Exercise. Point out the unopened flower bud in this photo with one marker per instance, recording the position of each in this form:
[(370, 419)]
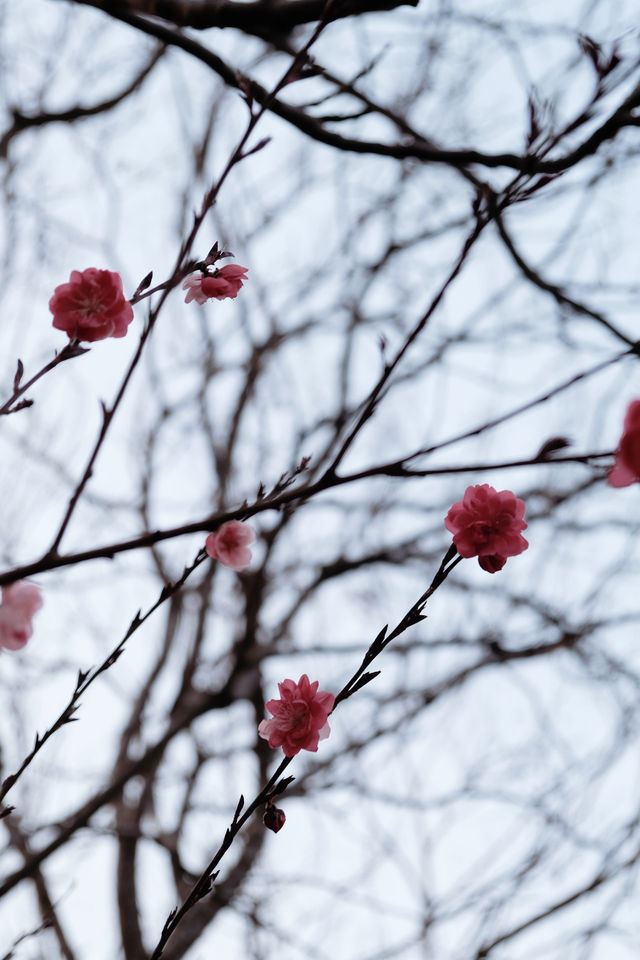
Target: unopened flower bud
[(274, 818), (492, 563)]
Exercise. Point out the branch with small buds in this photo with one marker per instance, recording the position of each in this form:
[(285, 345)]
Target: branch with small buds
[(276, 785), (86, 678), (71, 350)]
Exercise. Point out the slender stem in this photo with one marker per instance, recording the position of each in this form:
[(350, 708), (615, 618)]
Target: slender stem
[(72, 349), (359, 678), (372, 400), (396, 468), (204, 883), (87, 678), (108, 415), (165, 288)]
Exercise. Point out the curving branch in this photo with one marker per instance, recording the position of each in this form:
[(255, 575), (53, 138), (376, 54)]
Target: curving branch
[(529, 163), (281, 498), (46, 905), (556, 291), (260, 18), (23, 121)]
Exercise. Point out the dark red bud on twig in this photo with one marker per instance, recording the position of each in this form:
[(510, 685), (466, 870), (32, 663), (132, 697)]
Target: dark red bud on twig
[(274, 818)]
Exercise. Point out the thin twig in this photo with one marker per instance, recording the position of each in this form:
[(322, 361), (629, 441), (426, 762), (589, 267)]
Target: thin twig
[(275, 785), (86, 678), (71, 350)]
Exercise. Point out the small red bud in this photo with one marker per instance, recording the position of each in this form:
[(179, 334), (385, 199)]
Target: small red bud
[(274, 818), (492, 563)]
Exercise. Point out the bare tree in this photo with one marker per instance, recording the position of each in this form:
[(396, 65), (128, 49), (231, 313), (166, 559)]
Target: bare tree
[(436, 205)]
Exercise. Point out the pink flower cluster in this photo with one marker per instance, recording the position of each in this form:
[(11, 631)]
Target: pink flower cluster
[(300, 716), (626, 469), (224, 284), (229, 544), (92, 306), (486, 524), (20, 602)]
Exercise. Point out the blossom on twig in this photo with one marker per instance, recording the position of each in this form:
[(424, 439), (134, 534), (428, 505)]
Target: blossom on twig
[(224, 284), (299, 717), (228, 544), (20, 601), (274, 818), (92, 306), (486, 524)]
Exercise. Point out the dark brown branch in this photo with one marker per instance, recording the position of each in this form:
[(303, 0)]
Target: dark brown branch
[(562, 298), (358, 679), (11, 955), (181, 267), (394, 469), (223, 894), (203, 885), (202, 703), (371, 401), (46, 906), (87, 678), (128, 818), (198, 705), (598, 880), (72, 349), (529, 164), (23, 121), (127, 826), (260, 18), (326, 482)]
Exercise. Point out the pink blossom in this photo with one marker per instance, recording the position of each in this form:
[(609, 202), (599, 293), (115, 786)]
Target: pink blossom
[(224, 284), (299, 716), (486, 524), (228, 544), (91, 306), (20, 601), (626, 469)]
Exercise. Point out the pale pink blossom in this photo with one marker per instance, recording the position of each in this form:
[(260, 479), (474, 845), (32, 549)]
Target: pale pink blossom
[(224, 284), (228, 544), (20, 601), (626, 469), (486, 524), (92, 306), (299, 717)]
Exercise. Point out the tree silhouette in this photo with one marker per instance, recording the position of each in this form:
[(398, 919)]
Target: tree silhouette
[(436, 207)]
